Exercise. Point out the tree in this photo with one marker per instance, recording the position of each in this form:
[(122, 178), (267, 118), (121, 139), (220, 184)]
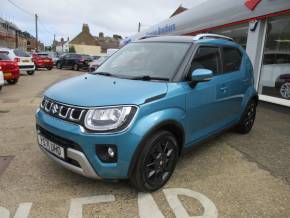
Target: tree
[(72, 49)]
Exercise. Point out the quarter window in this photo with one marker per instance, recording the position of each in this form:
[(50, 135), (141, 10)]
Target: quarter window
[(232, 59), (206, 58)]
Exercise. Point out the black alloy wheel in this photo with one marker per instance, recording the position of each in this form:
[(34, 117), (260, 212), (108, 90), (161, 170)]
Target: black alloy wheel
[(157, 162), (248, 118), (12, 81), (30, 73), (58, 65)]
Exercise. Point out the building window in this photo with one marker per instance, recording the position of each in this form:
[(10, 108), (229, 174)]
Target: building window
[(275, 71), (238, 32)]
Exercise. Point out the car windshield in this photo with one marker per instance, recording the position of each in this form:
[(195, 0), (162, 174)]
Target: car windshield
[(150, 59), (21, 53)]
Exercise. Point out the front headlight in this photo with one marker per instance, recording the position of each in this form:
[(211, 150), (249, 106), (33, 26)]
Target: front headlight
[(111, 118)]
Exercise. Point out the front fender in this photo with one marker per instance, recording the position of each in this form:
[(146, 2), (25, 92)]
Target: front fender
[(150, 123)]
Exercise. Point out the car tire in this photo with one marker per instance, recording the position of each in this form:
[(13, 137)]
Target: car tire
[(285, 90), (76, 67), (248, 118), (0, 88), (58, 65), (156, 162), (49, 68), (12, 81), (30, 72)]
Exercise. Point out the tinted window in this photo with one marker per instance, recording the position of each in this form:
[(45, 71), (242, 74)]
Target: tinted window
[(21, 53), (4, 57), (232, 59), (206, 58)]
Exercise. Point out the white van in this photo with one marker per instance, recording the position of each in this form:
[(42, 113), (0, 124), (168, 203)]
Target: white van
[(23, 59)]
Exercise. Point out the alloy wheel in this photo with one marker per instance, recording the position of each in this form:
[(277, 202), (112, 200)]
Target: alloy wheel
[(285, 90), (160, 162), (250, 116)]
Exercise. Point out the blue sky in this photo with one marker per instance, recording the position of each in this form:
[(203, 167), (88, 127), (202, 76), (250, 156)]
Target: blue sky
[(64, 18)]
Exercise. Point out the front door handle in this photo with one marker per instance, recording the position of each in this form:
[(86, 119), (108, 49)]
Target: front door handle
[(224, 89)]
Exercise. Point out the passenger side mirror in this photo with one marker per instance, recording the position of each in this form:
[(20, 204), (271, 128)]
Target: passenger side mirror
[(201, 75)]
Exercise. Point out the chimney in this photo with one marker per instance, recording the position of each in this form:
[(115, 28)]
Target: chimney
[(101, 35), (86, 28)]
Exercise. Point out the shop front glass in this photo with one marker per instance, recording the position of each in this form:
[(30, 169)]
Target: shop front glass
[(275, 71), (238, 32)]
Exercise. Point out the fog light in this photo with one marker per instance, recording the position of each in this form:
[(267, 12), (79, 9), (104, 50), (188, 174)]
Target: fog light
[(111, 152), (107, 153)]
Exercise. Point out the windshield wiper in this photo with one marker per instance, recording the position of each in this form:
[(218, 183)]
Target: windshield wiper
[(101, 73), (148, 78)]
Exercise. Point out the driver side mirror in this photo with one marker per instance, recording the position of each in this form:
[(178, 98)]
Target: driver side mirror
[(201, 75)]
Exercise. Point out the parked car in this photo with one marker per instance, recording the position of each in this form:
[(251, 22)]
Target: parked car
[(96, 63), (144, 106), (53, 55), (23, 59), (10, 69), (283, 85), (1, 79), (276, 63), (42, 61), (73, 61)]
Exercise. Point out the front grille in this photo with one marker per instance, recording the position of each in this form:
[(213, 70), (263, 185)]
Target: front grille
[(65, 143), (62, 111)]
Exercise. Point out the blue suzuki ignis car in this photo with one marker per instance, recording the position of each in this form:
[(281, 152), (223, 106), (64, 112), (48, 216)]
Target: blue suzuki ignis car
[(145, 105)]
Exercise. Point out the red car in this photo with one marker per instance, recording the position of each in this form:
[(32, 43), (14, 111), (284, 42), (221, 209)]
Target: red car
[(42, 61), (10, 69)]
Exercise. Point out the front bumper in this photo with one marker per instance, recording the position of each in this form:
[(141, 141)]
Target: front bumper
[(89, 164), (85, 168)]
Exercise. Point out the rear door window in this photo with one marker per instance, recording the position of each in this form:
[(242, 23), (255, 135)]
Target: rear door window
[(232, 59)]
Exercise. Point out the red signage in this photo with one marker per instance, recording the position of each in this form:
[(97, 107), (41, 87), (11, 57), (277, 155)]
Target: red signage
[(252, 4)]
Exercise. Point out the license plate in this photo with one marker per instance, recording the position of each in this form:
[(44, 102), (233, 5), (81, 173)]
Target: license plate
[(25, 61), (46, 60), (51, 146), (7, 74)]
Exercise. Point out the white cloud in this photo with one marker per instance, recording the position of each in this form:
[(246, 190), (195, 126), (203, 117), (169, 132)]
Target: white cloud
[(65, 17)]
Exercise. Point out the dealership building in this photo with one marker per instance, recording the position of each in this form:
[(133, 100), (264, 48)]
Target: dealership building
[(262, 27)]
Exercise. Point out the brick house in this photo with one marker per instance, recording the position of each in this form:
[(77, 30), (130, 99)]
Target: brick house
[(86, 43)]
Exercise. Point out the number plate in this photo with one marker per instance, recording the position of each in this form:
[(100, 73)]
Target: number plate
[(7, 74), (51, 146)]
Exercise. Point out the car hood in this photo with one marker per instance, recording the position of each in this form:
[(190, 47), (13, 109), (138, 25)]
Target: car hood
[(95, 90)]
